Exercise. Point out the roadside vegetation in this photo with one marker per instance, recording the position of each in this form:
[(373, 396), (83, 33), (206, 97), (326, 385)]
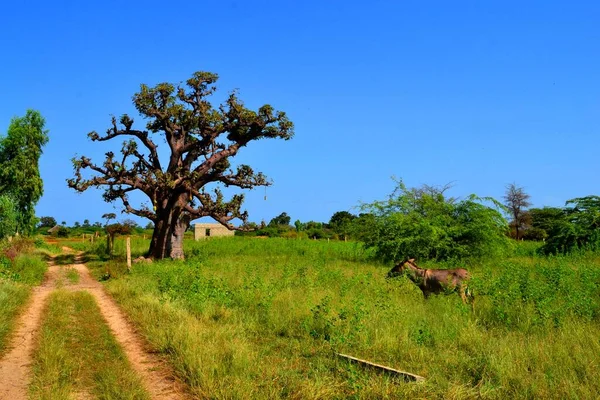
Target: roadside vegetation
[(244, 316), (78, 356), (19, 270)]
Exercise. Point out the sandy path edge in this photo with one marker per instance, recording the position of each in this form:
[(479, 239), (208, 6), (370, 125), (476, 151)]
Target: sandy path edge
[(15, 365), (156, 376)]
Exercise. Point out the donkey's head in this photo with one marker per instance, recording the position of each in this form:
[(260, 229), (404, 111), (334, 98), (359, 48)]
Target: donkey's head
[(402, 267)]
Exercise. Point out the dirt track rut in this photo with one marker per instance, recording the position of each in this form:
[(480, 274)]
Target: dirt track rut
[(15, 366)]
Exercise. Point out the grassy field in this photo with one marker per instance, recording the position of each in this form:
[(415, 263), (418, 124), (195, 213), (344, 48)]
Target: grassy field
[(245, 317), (77, 355)]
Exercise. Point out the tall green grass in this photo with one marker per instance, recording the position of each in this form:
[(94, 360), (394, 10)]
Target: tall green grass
[(12, 297), (28, 269), (263, 318), (19, 270)]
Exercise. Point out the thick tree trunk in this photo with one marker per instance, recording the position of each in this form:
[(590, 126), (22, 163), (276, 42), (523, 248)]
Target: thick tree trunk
[(160, 236), (175, 245), (158, 244), (169, 228)]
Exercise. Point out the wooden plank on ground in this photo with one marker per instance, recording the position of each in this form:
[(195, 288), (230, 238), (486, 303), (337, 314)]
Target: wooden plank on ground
[(406, 375)]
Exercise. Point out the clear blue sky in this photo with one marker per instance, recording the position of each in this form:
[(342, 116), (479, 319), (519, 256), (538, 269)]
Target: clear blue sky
[(469, 92)]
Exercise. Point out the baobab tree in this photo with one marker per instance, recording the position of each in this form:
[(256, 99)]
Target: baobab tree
[(201, 140)]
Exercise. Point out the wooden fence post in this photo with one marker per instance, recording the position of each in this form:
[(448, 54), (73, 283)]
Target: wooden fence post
[(128, 254)]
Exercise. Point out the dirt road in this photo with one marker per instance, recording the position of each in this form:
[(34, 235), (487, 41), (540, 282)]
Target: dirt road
[(15, 366)]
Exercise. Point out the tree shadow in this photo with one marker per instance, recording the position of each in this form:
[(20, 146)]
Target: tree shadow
[(64, 259)]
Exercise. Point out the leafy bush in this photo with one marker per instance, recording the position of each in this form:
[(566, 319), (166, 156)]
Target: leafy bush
[(578, 229), (423, 223)]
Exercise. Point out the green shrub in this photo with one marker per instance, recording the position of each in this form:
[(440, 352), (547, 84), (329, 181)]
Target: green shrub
[(424, 223)]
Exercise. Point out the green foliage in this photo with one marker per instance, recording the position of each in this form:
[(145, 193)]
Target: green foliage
[(316, 230), (341, 223), (8, 216), (543, 222), (363, 227), (423, 223), (578, 228), (20, 152), (282, 219), (47, 222)]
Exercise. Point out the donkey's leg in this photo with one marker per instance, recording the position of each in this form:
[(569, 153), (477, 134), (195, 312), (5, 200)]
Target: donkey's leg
[(463, 294)]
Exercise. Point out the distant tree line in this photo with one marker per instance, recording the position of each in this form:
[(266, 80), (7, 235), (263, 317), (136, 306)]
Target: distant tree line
[(338, 228), (424, 222), (49, 226)]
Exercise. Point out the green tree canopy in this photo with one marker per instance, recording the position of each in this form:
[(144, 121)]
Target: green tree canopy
[(281, 219), (579, 227), (544, 221), (47, 222), (424, 223), (341, 223), (20, 151), (8, 216)]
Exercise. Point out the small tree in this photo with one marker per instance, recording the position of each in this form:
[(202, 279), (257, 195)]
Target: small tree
[(517, 202), (20, 152), (47, 222), (341, 223), (130, 223), (108, 217), (201, 141), (281, 220), (112, 231)]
